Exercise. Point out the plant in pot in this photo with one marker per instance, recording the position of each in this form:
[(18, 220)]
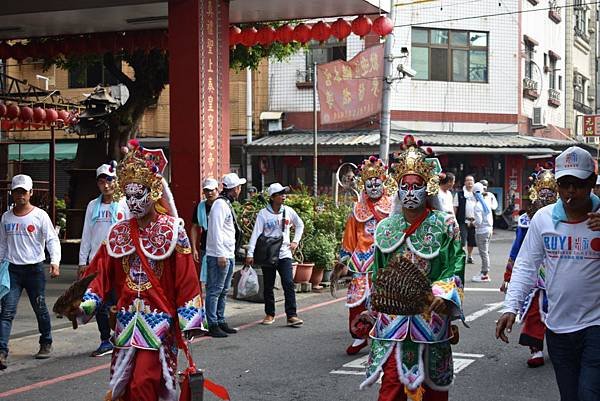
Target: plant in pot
[(320, 248), (304, 204)]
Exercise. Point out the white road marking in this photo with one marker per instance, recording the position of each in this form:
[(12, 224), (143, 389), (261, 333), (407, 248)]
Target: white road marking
[(359, 363), (460, 364), (488, 309), (463, 355), (348, 372)]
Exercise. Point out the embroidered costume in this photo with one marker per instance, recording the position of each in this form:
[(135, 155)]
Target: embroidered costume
[(414, 350), (144, 362), (357, 251), (533, 314)]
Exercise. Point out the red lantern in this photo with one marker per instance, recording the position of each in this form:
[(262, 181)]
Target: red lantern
[(265, 35), (302, 33), (51, 116), (321, 31), (234, 35), (12, 111), (248, 37), (26, 114), (2, 110), (383, 26), (63, 116), (341, 29), (39, 114), (18, 52), (6, 125), (361, 26), (284, 34)]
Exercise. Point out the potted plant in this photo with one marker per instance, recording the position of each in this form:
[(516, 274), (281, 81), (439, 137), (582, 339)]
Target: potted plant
[(320, 248), (304, 204)]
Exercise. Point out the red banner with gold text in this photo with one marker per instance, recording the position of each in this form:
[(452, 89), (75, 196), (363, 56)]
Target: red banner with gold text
[(351, 90)]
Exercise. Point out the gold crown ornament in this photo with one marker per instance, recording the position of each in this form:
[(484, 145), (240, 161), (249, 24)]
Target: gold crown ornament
[(414, 160), (375, 168), (142, 166), (542, 179)]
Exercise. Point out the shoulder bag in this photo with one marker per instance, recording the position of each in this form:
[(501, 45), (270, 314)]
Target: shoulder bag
[(266, 251)]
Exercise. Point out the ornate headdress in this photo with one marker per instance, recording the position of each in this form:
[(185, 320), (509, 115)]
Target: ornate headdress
[(542, 179), (414, 160), (375, 168), (141, 166)]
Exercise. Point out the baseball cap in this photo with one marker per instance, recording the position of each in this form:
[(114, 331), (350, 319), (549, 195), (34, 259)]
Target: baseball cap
[(22, 181), (478, 187), (106, 169), (484, 183), (276, 188), (574, 161), (232, 180), (210, 183)]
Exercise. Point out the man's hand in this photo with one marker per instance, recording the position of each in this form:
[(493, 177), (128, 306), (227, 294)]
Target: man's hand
[(594, 221), (293, 246), (54, 271), (438, 306), (506, 321), (81, 270), (504, 287), (195, 255), (222, 262), (249, 261)]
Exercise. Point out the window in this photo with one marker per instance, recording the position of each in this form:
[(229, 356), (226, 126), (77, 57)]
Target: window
[(91, 76), (552, 73), (321, 53), (447, 55), (581, 19), (529, 55), (579, 87)]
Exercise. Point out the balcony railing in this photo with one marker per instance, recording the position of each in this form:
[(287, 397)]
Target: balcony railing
[(304, 78), (554, 11), (553, 97), (530, 88), (582, 107)]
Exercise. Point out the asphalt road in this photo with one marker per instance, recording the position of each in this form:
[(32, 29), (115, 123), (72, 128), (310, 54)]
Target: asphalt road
[(309, 363)]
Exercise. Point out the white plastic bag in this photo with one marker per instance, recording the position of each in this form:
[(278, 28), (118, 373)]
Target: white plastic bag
[(248, 284)]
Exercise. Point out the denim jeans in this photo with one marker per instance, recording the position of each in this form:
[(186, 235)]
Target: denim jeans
[(576, 360), (32, 278), (284, 267), (102, 316), (218, 281)]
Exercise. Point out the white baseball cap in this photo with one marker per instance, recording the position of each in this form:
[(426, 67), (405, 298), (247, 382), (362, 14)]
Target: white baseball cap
[(210, 184), (106, 169), (22, 181), (276, 188), (478, 187), (232, 180), (574, 161)]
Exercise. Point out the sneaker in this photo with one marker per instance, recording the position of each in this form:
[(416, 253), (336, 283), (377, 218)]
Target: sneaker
[(215, 331), (481, 278), (105, 348), (536, 360), (3, 363), (45, 351), (229, 330), (470, 260), (268, 320), (294, 321)]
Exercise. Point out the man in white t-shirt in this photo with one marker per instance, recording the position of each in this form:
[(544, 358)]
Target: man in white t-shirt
[(100, 215), (444, 195), (560, 236), (464, 210), (25, 231)]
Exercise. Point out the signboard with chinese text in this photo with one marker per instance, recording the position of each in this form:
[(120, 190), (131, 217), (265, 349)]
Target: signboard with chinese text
[(591, 125), (351, 90)]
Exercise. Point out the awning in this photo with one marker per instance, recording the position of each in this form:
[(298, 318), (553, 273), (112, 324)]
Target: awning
[(41, 151), (504, 151)]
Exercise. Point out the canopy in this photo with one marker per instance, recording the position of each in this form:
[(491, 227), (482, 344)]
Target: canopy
[(41, 151)]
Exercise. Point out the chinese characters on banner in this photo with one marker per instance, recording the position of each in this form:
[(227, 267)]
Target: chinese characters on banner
[(351, 90), (210, 97), (591, 125)]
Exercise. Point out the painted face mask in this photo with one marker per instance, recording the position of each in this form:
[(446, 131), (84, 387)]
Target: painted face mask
[(138, 199), (546, 197), (374, 188), (412, 192)]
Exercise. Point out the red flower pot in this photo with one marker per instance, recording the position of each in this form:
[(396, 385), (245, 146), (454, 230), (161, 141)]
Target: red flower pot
[(303, 272)]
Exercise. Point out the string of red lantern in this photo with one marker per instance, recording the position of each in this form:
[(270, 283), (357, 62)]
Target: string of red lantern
[(14, 116)]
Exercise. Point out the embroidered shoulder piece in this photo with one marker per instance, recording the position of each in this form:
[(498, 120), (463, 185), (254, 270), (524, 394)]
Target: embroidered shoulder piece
[(523, 221), (158, 239), (425, 242), (362, 212), (183, 243)]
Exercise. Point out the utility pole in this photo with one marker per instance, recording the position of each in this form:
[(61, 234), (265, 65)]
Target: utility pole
[(248, 125), (315, 135), (386, 95)]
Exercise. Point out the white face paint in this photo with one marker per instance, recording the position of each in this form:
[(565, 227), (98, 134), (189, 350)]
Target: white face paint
[(412, 192), (374, 188), (138, 199)]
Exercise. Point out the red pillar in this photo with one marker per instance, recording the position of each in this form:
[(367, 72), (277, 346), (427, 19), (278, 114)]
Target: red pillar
[(199, 96)]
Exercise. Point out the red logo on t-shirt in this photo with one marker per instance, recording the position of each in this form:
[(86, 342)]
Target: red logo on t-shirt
[(595, 244), (30, 228), (119, 216)]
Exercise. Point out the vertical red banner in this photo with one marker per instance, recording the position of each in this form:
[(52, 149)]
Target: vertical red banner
[(351, 90)]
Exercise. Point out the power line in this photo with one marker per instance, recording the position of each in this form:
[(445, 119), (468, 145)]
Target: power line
[(493, 15)]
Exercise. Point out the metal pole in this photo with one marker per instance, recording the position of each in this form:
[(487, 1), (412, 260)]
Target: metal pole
[(316, 157), (386, 95), (52, 175), (248, 125)]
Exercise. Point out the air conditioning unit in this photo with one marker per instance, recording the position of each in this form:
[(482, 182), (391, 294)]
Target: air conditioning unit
[(539, 117), (591, 97)]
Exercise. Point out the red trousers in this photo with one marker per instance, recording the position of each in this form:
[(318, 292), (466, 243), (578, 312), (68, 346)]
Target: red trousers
[(393, 390), (532, 334), (357, 330), (146, 378)]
